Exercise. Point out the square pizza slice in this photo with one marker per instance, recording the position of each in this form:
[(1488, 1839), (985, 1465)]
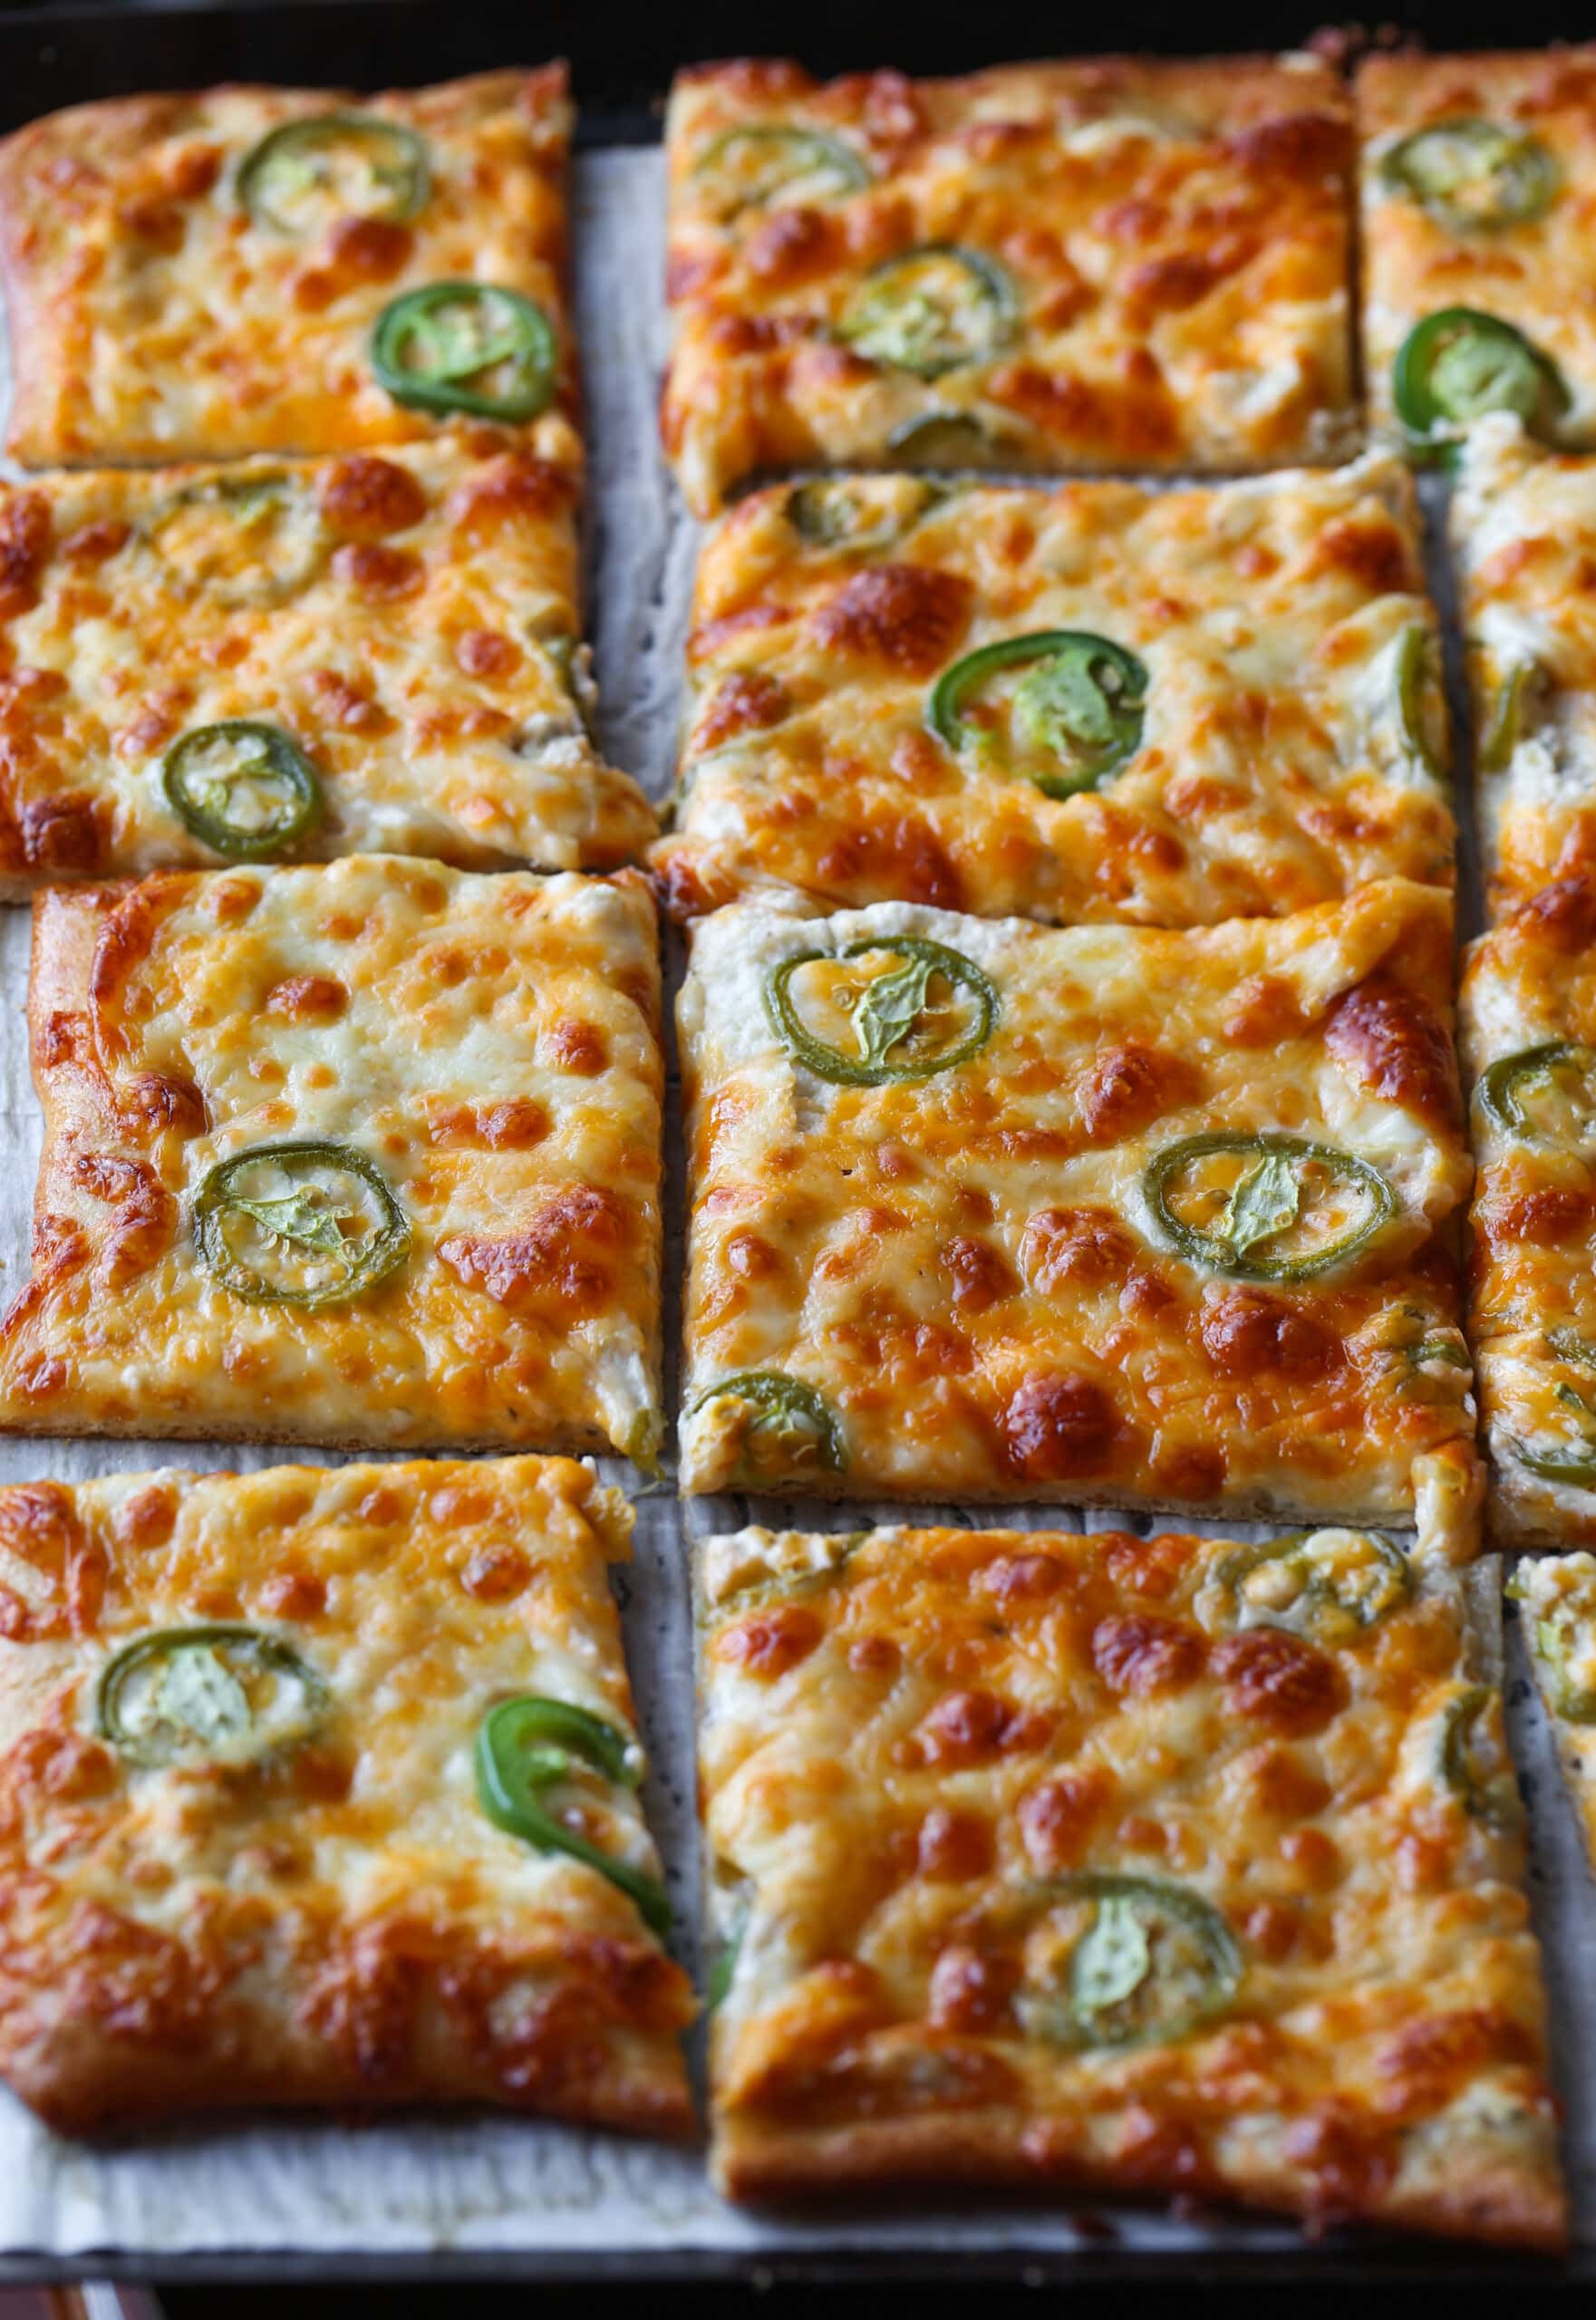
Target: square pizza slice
[(1524, 534), (366, 1155), (275, 659), (1113, 264), (1101, 1216), (1118, 1865), (260, 269), (321, 1787), (1527, 1019), (1557, 1598), (1477, 176), (1095, 701)]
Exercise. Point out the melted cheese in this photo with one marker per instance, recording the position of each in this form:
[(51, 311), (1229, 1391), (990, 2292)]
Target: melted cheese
[(1538, 276), (403, 619), (1274, 769), (342, 1922), (491, 1043), (152, 318), (1532, 982), (967, 1270), (1176, 234), (1558, 1596), (1524, 529), (905, 1735)]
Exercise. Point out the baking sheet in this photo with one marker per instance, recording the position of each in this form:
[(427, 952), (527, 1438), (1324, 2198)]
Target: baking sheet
[(471, 2186)]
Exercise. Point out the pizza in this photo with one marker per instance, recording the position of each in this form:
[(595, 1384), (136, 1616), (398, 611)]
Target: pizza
[(259, 269), (367, 1155), (1524, 535), (279, 659), (1096, 701), (1115, 264), (1108, 1214), (1121, 1865), (1527, 1019), (1477, 175), (1556, 1595), (272, 1828)]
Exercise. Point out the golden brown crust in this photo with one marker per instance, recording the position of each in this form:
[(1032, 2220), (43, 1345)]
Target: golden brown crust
[(966, 1267), (410, 620), (492, 1044), (921, 1753), (334, 1921), (1175, 234), (1275, 767), (149, 322)]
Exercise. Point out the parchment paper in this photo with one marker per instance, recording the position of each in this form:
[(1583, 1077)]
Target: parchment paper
[(477, 2184)]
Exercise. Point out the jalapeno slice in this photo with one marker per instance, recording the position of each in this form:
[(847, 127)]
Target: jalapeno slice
[(945, 438), (1543, 1092), (1569, 1458), (1419, 695), (763, 163), (906, 1028), (1456, 365), (1474, 176), (858, 512), (1062, 707), (308, 173), (307, 1225), (242, 788), (723, 1971), (1562, 1634), (790, 1430), (1331, 1586), (1512, 708), (1291, 1187), (225, 1693), (239, 540), (470, 346), (528, 1746), (1114, 1960), (932, 310), (1474, 1763)]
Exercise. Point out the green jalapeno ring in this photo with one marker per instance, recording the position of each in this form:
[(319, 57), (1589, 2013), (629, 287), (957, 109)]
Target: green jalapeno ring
[(528, 1743), (1509, 715), (1576, 1704), (1417, 656), (945, 438), (290, 151), (248, 499), (1571, 1462), (268, 1653), (888, 321), (776, 1395), (1520, 177), (1498, 1094), (1077, 674), (1067, 2021), (1483, 1799), (524, 342), (819, 510), (1243, 1264), (1460, 363), (366, 1263), (795, 154), (268, 756), (877, 1070), (1327, 1608)]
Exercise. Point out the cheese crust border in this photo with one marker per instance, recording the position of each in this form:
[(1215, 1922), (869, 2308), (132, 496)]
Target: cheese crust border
[(1098, 1706), (1291, 739), (965, 1268), (526, 1313), (1150, 380), (337, 1922), (103, 192)]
